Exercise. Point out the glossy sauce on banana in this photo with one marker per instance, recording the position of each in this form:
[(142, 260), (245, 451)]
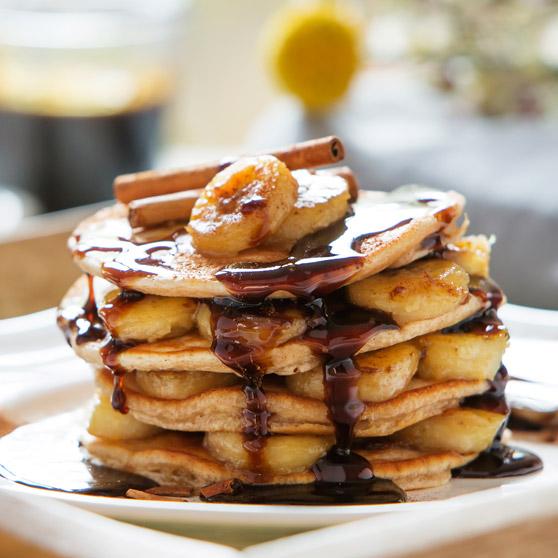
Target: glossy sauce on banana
[(499, 460), (321, 263)]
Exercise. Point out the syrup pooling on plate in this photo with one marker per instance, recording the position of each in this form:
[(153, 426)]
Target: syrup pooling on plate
[(58, 461), (320, 268)]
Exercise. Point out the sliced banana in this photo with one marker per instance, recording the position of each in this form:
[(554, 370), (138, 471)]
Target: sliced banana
[(422, 290), (180, 385), (203, 321), (257, 330), (462, 430), (461, 356), (107, 423), (242, 205), (384, 374), (472, 253), (149, 318), (280, 454), (322, 200)]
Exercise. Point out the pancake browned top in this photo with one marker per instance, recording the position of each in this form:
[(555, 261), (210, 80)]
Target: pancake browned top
[(105, 245)]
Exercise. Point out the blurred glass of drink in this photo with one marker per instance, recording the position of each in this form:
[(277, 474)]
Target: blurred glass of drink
[(83, 86)]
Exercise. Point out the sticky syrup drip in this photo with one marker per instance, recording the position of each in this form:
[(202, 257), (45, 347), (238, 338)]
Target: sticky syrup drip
[(82, 321), (240, 347), (338, 331), (87, 324)]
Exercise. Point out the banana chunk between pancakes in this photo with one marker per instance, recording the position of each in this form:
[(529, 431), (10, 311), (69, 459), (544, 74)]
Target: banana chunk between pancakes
[(242, 205), (472, 253), (180, 385), (149, 318), (384, 374), (463, 430), (422, 290), (280, 454), (271, 330), (322, 200), (466, 356), (105, 422)]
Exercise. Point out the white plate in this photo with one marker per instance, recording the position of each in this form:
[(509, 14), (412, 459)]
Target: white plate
[(61, 393)]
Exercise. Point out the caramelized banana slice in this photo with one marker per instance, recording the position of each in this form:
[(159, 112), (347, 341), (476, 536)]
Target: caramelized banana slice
[(385, 373), (422, 290), (462, 430), (461, 356), (242, 205), (280, 454), (148, 318), (472, 253), (180, 385), (107, 423), (272, 330), (322, 200)]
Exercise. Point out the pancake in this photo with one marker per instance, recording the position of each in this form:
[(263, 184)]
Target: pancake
[(220, 410), (179, 459), (192, 352), (103, 246)]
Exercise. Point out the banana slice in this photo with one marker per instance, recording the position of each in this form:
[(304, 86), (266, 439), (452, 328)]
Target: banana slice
[(272, 330), (107, 423), (149, 318), (322, 200), (280, 454), (385, 373), (461, 356), (180, 385), (462, 430), (472, 253), (422, 290), (242, 205), (203, 321)]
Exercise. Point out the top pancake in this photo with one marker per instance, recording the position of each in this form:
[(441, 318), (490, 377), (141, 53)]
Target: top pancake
[(105, 245)]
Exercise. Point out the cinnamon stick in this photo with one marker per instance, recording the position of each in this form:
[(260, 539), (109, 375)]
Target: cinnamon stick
[(156, 210), (314, 153)]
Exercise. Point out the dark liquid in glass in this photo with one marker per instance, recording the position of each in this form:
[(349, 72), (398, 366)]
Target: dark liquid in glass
[(65, 161)]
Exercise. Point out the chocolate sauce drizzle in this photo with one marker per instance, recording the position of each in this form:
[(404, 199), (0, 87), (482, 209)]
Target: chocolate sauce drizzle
[(83, 321), (244, 355), (336, 331), (88, 324), (132, 259), (321, 263)]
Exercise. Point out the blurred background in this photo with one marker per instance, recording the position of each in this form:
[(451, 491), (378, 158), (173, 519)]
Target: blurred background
[(457, 94)]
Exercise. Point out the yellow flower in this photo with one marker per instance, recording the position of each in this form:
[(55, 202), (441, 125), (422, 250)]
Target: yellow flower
[(314, 51)]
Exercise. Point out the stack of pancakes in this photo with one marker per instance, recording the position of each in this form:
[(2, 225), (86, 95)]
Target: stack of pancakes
[(260, 364)]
